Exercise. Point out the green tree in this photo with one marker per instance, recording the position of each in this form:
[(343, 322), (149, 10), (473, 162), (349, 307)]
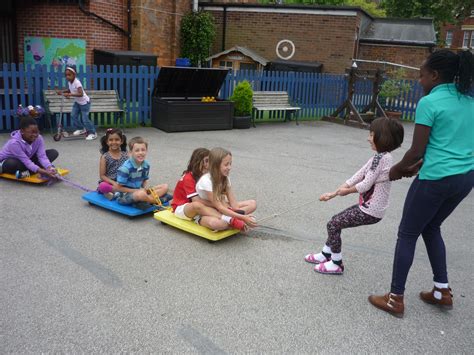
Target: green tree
[(197, 35), (371, 7), (442, 11)]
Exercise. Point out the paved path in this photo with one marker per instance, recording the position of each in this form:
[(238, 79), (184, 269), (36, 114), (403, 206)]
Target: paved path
[(75, 278)]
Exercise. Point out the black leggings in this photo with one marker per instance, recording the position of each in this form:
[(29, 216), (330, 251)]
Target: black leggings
[(12, 165)]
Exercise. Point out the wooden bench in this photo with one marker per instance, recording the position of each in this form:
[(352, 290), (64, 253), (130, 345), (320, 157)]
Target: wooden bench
[(273, 101), (102, 101)]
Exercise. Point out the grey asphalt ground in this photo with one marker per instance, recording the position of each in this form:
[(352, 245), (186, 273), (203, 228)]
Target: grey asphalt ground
[(78, 279)]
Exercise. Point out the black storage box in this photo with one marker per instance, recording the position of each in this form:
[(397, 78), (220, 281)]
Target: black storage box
[(111, 57), (288, 65), (176, 100)]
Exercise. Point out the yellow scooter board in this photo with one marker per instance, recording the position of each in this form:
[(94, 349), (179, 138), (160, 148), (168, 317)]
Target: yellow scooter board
[(33, 179), (168, 217)]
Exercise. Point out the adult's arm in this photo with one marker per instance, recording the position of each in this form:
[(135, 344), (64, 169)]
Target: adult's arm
[(413, 158)]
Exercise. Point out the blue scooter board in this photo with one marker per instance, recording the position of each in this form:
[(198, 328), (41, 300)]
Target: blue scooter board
[(98, 199)]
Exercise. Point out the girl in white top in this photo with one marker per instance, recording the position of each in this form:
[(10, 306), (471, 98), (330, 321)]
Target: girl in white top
[(215, 187), (373, 185), (82, 105)]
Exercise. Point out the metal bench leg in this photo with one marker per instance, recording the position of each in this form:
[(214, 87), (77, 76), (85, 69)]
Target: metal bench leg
[(253, 118)]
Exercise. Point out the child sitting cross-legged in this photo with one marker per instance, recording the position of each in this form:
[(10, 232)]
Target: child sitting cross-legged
[(188, 205), (25, 154), (133, 175)]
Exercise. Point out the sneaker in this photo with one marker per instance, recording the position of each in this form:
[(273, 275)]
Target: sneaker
[(390, 303), (22, 174), (78, 132), (109, 196), (446, 300), (166, 198), (91, 136), (237, 224)]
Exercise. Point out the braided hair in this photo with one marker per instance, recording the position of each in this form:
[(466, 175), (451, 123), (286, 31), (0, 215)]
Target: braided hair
[(452, 67)]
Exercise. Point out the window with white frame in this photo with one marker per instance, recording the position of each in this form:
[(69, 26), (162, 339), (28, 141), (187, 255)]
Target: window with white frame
[(472, 39), (449, 38), (465, 40)]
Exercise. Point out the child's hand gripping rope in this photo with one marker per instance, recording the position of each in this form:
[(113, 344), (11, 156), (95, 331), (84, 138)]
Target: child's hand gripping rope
[(58, 177), (156, 199)]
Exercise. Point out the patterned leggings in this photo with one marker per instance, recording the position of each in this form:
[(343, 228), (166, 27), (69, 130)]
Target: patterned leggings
[(350, 217)]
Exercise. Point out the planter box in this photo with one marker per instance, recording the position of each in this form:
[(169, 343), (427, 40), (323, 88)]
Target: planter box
[(176, 100)]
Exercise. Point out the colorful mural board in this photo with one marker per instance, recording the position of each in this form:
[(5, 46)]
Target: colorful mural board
[(55, 51)]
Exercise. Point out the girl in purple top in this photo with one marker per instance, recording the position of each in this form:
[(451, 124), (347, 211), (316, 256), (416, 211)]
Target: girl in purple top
[(373, 185), (25, 151)]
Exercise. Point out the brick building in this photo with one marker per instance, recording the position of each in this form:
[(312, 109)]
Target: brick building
[(459, 36), (332, 36), (329, 35), (143, 25), (69, 19), (399, 41)]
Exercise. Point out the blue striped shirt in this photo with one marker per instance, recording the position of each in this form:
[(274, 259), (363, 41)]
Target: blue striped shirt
[(132, 175)]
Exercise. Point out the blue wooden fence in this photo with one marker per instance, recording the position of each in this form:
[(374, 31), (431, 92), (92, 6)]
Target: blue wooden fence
[(316, 94)]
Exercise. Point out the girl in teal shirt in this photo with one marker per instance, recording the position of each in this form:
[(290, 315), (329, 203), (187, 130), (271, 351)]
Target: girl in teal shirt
[(443, 145)]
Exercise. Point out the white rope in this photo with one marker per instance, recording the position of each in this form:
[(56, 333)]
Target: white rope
[(286, 211)]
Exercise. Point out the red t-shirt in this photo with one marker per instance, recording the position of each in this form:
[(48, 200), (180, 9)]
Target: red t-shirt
[(184, 191)]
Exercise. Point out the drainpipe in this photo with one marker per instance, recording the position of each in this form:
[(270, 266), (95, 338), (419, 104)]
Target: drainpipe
[(118, 28), (129, 23), (224, 27)]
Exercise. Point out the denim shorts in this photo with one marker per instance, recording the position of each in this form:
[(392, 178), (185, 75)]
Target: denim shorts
[(125, 198)]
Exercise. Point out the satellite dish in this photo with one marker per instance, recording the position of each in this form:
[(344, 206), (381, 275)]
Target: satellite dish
[(285, 49)]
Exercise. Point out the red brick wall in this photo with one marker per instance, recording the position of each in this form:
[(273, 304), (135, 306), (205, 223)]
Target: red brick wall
[(67, 21), (328, 39), (155, 27), (407, 55)]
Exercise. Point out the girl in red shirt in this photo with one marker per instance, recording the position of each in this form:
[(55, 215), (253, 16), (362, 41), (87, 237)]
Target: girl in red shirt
[(188, 205)]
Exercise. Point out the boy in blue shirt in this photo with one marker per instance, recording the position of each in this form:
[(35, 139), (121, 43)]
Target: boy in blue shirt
[(133, 176)]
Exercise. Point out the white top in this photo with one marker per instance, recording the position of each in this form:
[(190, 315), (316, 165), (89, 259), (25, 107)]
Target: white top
[(205, 185), (74, 88), (373, 184)]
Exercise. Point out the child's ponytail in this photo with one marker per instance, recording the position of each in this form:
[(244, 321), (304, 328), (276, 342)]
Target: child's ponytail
[(465, 75)]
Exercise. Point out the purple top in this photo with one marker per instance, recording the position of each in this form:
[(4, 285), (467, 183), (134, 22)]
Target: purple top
[(17, 148)]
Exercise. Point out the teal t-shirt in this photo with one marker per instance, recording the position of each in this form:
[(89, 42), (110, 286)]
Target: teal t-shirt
[(451, 144)]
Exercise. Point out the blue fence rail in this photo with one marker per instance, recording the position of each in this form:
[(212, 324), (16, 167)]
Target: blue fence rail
[(316, 94)]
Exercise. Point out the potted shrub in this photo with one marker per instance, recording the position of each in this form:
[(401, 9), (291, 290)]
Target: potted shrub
[(242, 98), (391, 89)]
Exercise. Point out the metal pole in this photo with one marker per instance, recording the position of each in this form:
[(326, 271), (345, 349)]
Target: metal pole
[(385, 63)]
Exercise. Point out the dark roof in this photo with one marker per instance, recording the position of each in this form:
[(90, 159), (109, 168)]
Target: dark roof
[(400, 31), (285, 6)]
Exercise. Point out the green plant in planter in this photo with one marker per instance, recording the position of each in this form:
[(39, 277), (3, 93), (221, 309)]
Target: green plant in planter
[(393, 87), (242, 98)]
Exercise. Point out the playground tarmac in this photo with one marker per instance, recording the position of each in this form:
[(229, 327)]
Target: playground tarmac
[(78, 279)]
